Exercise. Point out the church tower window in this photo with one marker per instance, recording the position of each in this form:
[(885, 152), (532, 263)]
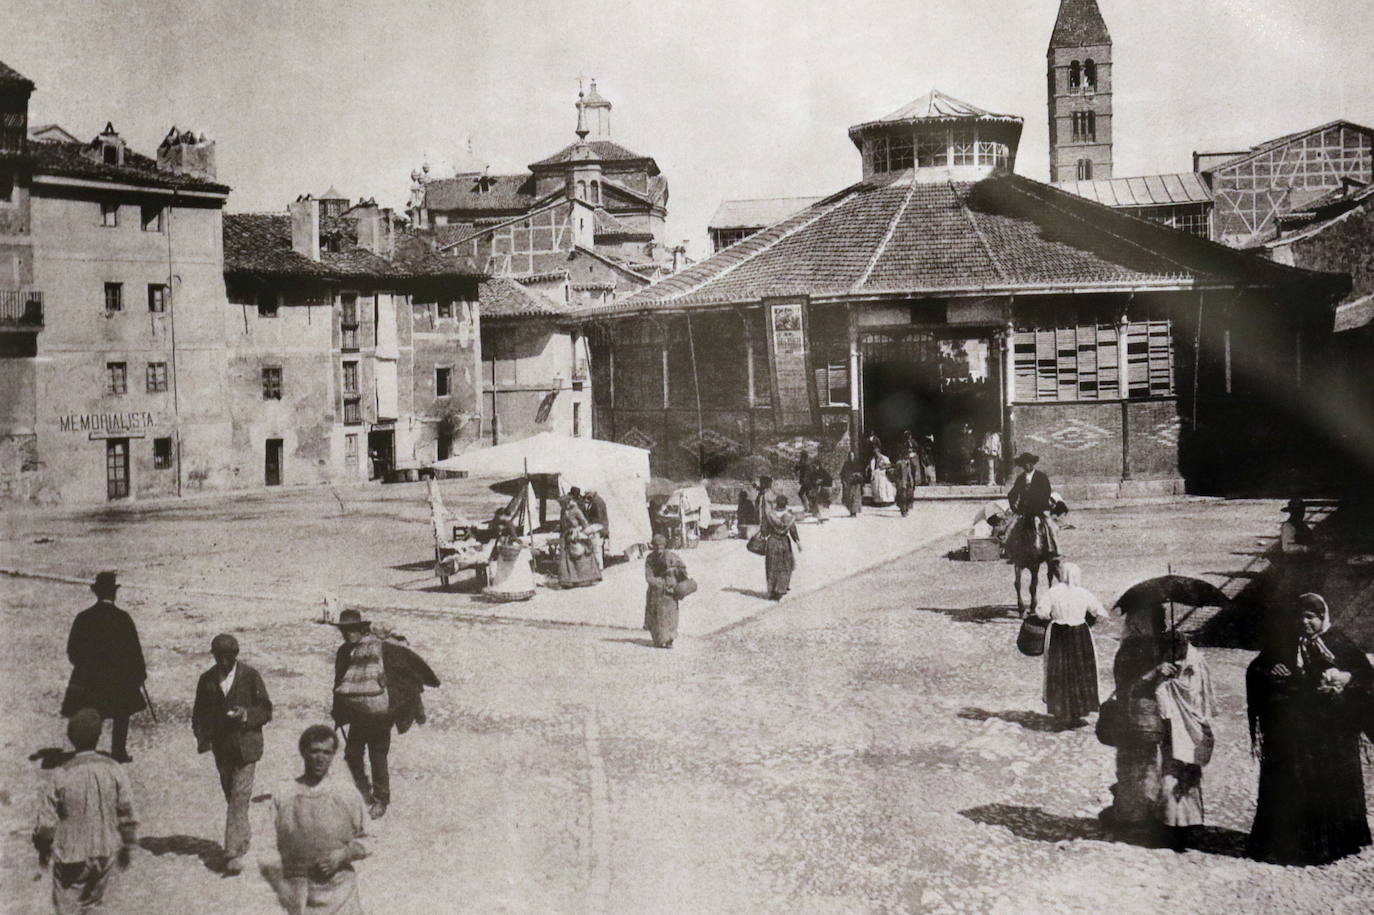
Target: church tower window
[(1089, 76), (1085, 169), (1075, 77)]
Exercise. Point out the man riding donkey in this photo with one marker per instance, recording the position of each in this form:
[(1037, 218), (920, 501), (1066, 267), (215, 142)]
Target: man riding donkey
[(377, 685), (1031, 541)]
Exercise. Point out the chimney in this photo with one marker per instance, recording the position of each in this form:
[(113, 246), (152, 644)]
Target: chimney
[(108, 147), (305, 227), (371, 236), (183, 153)]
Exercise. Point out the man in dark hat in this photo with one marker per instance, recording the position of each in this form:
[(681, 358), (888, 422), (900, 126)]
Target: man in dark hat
[(107, 664), (1031, 539), (85, 824), (230, 709), (377, 685)]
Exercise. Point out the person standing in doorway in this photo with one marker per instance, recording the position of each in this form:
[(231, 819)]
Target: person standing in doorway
[(107, 664), (320, 824), (377, 685), (85, 824), (990, 450), (230, 709)]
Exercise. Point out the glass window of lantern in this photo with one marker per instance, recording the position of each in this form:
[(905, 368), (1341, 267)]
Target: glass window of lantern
[(880, 154), (931, 150), (961, 148), (900, 153), (986, 152)]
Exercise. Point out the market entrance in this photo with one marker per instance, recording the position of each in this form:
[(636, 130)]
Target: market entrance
[(943, 386)]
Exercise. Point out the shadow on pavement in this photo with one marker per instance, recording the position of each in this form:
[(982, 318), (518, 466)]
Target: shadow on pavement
[(991, 613), (1042, 826), (1031, 721), (422, 566), (209, 853), (645, 643), (748, 592)]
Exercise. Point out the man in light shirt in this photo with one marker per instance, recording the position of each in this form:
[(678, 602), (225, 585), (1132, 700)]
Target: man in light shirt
[(85, 822), (231, 707), (320, 821)]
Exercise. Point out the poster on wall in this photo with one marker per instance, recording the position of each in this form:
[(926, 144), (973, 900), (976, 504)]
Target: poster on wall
[(789, 362)]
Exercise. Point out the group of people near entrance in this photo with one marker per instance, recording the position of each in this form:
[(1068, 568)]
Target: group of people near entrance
[(1309, 697), (86, 825)]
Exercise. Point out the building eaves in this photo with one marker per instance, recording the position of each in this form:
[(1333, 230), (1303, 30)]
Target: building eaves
[(13, 78), (70, 160), (502, 297)]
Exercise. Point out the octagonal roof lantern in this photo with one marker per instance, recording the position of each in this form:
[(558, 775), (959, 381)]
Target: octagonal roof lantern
[(939, 137)]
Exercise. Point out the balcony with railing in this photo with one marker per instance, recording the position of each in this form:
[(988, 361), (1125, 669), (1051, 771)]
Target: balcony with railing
[(21, 309)]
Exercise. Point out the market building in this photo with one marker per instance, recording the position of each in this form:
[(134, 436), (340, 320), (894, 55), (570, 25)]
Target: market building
[(945, 294)]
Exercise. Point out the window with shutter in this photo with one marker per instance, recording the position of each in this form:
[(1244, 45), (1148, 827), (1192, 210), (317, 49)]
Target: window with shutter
[(1066, 364)]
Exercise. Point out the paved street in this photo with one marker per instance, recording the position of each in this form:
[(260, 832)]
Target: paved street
[(873, 744)]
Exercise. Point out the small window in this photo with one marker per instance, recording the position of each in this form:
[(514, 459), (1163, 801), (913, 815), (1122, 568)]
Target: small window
[(931, 151), (109, 215), (577, 419), (351, 449), (445, 308), (157, 377), (1075, 76), (114, 297), (116, 378), (157, 297), (899, 153), (6, 186), (350, 377), (1090, 75), (267, 305), (111, 155), (441, 381), (961, 148), (353, 411), (152, 218), (271, 382), (1085, 169), (162, 454)]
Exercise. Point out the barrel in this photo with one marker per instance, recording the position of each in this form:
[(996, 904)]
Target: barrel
[(1030, 641)]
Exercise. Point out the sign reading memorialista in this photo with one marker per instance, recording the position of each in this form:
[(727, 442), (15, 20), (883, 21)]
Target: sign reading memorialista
[(107, 425)]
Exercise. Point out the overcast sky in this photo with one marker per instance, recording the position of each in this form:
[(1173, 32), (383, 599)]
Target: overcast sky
[(732, 98)]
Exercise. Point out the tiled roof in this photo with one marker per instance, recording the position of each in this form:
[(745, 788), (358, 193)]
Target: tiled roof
[(1143, 191), (12, 77), (501, 297), (603, 150), (504, 192), (757, 213), (260, 243), (70, 160), (892, 235), (1078, 25), (1317, 216)]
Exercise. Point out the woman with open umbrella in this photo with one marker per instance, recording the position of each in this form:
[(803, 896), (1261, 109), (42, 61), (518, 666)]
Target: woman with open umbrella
[(1308, 698), (1070, 658), (1163, 736), (780, 530)]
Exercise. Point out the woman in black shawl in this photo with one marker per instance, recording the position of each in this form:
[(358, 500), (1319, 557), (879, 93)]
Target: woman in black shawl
[(852, 479), (1308, 698)]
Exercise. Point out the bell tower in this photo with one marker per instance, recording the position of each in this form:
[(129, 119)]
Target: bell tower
[(1079, 69)]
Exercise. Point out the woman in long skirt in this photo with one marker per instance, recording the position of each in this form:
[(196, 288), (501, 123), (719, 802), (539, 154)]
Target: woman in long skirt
[(509, 576), (884, 490), (663, 570), (1308, 697), (778, 562), (852, 479), (1070, 659), (1158, 791), (577, 563)]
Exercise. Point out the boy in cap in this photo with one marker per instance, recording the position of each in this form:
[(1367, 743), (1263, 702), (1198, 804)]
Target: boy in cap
[(230, 709), (107, 664), (85, 822)]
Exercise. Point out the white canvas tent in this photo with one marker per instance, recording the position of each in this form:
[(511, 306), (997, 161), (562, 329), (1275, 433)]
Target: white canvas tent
[(620, 473)]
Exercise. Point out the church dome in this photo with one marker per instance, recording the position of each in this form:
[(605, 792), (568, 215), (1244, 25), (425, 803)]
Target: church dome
[(940, 137)]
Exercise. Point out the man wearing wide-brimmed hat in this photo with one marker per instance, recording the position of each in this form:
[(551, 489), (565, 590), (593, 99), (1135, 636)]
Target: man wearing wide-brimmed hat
[(107, 664), (1031, 539), (377, 685)]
